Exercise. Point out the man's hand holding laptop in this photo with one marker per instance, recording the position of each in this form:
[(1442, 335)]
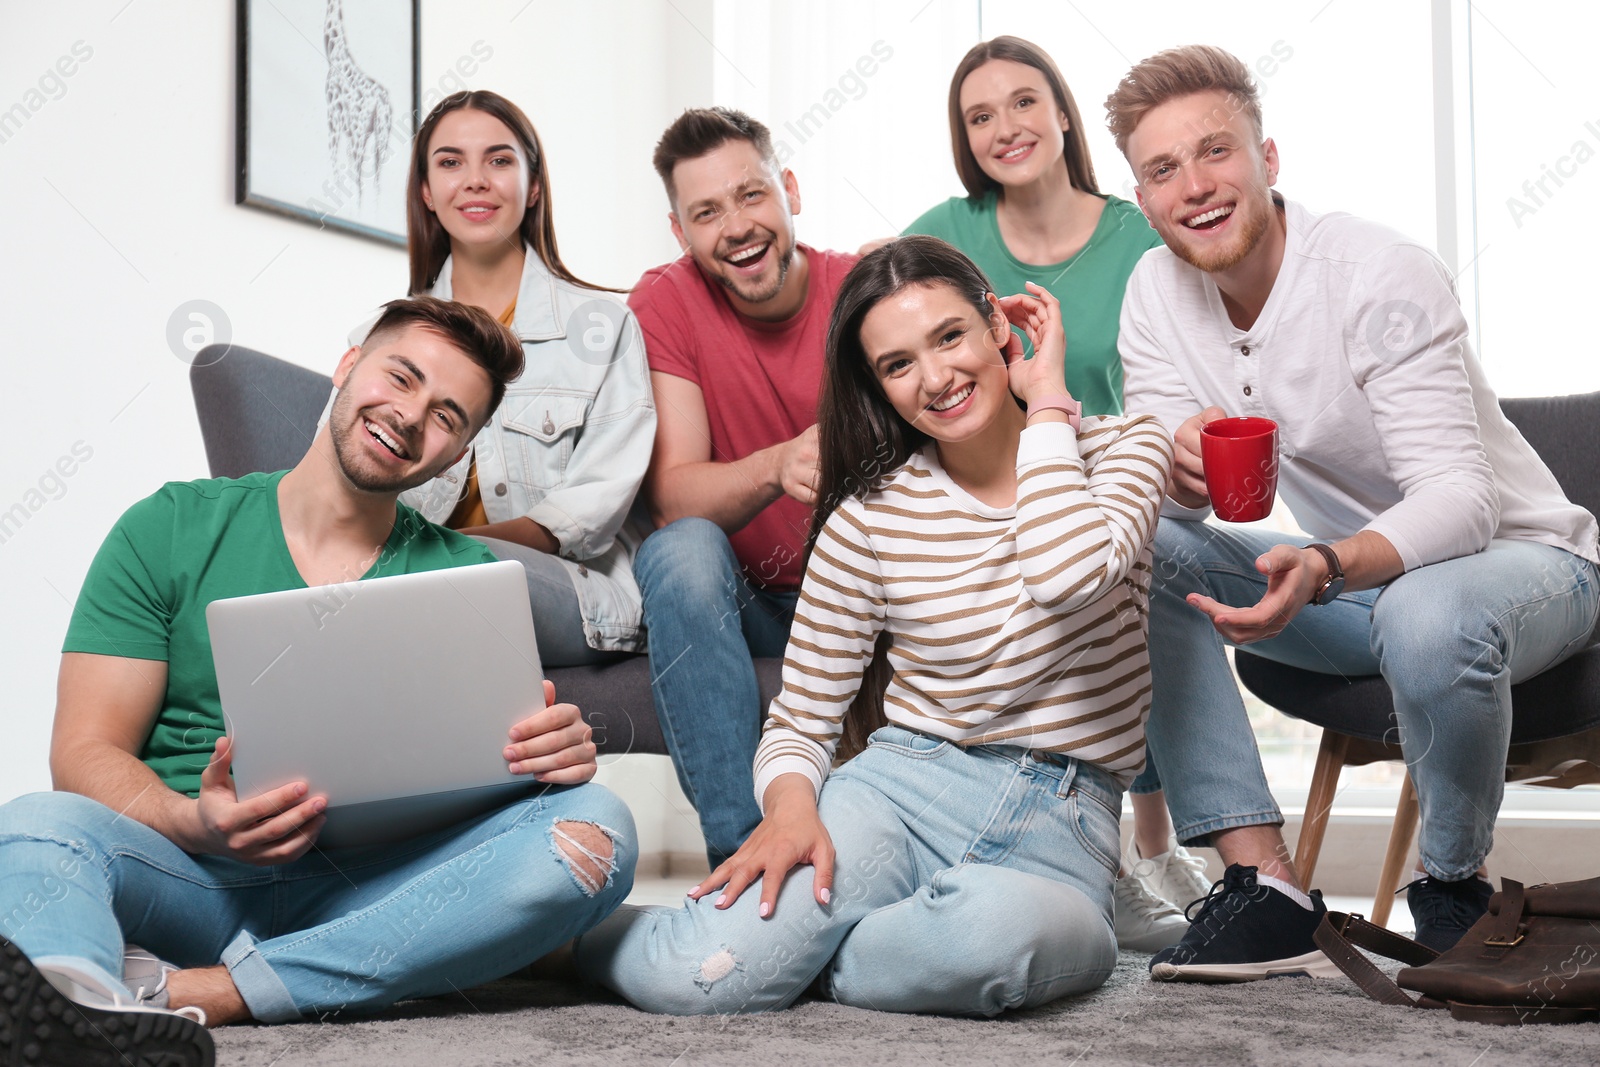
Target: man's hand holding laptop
[(554, 745), (276, 827)]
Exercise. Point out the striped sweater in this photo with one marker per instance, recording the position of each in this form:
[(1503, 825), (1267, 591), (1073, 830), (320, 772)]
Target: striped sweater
[(1022, 625)]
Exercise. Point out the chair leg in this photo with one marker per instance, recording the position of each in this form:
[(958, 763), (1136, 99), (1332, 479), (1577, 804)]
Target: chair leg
[(1324, 783), (1400, 838)]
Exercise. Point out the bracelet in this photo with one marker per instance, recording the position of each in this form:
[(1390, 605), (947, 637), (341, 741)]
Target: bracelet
[(1061, 402)]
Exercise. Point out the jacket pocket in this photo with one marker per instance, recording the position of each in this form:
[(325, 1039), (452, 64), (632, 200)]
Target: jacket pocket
[(542, 431)]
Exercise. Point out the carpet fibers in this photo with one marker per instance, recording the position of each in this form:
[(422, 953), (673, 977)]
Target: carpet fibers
[(1130, 1020)]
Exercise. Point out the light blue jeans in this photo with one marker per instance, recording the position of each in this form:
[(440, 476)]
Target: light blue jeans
[(967, 881), (707, 623), (351, 929), (1449, 638)]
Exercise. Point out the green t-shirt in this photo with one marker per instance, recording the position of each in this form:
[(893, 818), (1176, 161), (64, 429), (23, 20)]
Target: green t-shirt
[(1089, 284), (186, 545)]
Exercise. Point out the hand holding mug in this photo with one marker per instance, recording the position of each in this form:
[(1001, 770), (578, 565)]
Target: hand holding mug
[(1187, 483)]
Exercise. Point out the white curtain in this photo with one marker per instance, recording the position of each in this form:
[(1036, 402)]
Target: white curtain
[(854, 93)]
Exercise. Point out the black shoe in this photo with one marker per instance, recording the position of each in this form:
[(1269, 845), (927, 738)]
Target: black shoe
[(39, 1025), (1242, 931), (1443, 911)]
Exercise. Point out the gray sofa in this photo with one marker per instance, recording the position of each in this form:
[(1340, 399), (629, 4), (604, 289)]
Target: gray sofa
[(258, 413)]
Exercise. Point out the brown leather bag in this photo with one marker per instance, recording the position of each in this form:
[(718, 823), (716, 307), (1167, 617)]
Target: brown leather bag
[(1534, 957)]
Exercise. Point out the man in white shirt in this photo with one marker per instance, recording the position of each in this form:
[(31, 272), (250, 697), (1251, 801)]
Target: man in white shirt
[(1394, 455)]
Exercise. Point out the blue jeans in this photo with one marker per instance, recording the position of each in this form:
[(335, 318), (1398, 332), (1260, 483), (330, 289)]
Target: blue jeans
[(706, 624), (967, 881), (351, 929), (1449, 638)]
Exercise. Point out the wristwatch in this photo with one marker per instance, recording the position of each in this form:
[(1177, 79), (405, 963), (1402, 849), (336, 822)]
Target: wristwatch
[(1334, 584), (1073, 408)]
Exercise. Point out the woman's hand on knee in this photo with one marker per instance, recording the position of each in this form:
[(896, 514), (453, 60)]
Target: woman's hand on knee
[(792, 834)]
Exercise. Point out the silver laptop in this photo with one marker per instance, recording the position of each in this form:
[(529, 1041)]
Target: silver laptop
[(392, 697)]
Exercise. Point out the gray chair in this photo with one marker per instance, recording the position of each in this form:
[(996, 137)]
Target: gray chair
[(1555, 725), (258, 413)]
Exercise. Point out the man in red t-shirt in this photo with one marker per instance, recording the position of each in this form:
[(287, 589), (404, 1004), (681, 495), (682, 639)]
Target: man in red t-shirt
[(734, 331)]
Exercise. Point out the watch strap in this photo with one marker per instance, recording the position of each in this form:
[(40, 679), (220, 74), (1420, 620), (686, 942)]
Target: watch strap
[(1061, 402), (1335, 572)]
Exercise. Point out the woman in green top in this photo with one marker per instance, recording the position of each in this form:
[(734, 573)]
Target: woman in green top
[(1033, 212)]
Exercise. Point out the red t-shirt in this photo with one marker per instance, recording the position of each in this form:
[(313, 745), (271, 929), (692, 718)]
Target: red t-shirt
[(760, 381)]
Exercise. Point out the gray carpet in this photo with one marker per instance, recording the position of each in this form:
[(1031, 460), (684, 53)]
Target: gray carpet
[(1128, 1021)]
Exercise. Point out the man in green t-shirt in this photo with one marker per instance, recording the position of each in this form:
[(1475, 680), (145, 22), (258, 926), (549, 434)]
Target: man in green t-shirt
[(145, 840)]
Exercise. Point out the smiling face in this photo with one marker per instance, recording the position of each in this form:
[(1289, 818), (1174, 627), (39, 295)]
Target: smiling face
[(938, 361), (478, 180), (408, 406), (1204, 177), (1014, 127), (734, 213)]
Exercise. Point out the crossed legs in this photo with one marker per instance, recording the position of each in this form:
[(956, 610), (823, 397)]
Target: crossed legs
[(1450, 638), (351, 929)]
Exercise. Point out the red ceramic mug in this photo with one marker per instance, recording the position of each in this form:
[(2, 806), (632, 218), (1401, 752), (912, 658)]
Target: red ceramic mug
[(1241, 461)]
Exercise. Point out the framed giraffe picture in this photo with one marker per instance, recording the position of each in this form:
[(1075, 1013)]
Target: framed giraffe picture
[(328, 99)]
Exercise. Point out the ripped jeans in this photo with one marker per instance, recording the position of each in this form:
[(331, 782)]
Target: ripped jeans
[(967, 881), (352, 929)]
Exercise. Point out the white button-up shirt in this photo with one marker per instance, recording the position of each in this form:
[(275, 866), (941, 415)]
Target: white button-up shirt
[(1386, 421)]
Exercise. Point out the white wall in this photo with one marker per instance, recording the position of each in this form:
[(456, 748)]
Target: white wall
[(118, 207)]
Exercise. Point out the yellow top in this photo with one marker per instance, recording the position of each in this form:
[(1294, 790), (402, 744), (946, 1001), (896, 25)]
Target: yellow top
[(469, 509)]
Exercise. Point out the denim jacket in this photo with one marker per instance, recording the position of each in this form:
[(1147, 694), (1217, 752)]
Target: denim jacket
[(569, 444)]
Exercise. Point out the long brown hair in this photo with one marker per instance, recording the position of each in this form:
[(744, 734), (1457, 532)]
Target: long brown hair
[(426, 239), (861, 439), (1080, 169)]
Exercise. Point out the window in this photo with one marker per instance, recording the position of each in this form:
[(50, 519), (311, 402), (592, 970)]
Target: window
[(1533, 122)]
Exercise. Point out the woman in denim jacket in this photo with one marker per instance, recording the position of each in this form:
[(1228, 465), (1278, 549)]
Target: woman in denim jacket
[(551, 479)]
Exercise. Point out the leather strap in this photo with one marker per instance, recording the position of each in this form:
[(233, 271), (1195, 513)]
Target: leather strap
[(1373, 982), (1339, 934), (1505, 929), (1511, 1015), (1385, 942), (1335, 570)]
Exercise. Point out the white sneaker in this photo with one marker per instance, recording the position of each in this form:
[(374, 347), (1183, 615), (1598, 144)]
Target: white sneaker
[(1176, 875), (146, 974), (65, 1015), (1142, 921)]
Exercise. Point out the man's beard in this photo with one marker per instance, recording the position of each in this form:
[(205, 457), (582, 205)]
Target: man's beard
[(1253, 228), (761, 296), (342, 427)]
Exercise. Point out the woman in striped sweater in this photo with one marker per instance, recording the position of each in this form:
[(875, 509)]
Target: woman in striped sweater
[(995, 553)]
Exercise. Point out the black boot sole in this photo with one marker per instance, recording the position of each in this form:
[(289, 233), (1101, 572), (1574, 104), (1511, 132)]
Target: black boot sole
[(39, 1027)]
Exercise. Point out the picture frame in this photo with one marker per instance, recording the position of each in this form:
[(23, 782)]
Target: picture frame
[(328, 98)]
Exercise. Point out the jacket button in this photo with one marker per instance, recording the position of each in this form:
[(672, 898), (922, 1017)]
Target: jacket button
[(549, 424), (500, 490), (1247, 390)]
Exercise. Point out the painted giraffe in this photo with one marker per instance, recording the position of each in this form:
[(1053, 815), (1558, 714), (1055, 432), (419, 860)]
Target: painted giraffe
[(359, 114)]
